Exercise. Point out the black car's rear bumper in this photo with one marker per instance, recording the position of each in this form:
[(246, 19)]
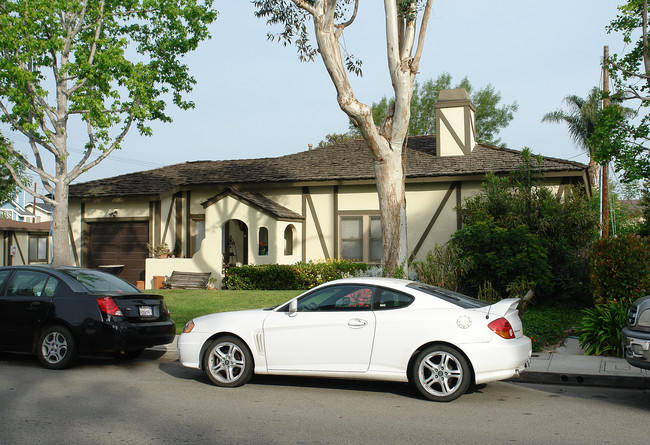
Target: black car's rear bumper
[(126, 336)]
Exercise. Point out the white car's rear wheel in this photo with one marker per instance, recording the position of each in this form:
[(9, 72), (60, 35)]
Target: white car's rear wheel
[(228, 362), (441, 373)]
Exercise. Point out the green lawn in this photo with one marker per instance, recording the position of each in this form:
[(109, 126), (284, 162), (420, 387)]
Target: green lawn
[(185, 304), (546, 325)]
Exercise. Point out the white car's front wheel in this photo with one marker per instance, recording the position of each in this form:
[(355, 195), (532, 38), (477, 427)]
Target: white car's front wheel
[(441, 373), (228, 362)]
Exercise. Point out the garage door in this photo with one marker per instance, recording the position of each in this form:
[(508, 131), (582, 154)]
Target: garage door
[(123, 243)]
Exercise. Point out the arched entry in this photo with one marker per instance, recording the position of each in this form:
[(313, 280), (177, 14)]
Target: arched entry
[(234, 243)]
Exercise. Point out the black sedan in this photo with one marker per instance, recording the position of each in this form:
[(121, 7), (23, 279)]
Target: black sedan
[(62, 312)]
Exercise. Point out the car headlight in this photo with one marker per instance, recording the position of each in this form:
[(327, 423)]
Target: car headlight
[(188, 327)]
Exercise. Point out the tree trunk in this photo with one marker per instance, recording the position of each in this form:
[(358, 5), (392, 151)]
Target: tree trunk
[(61, 246), (389, 173)]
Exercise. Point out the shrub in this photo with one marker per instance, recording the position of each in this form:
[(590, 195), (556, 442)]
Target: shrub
[(565, 226), (443, 267), (501, 256), (289, 277), (620, 269), (599, 333)]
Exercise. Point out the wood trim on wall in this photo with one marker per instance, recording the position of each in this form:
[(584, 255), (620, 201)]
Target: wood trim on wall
[(72, 244), (20, 251), (169, 218), (178, 230), (452, 131), (188, 223), (319, 230), (433, 220), (335, 225)]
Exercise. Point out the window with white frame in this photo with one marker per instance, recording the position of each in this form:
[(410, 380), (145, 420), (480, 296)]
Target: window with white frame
[(38, 247), (197, 233), (360, 238)]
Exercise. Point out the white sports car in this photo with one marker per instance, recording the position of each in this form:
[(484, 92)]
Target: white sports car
[(365, 328)]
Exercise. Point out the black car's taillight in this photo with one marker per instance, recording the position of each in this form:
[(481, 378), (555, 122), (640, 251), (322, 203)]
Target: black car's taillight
[(107, 306)]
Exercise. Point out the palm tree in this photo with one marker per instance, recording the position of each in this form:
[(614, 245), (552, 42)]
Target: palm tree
[(581, 119)]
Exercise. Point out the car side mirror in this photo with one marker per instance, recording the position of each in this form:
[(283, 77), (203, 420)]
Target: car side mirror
[(293, 308)]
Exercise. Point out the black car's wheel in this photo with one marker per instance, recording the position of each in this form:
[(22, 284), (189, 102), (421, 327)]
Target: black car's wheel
[(228, 362), (441, 373), (56, 348)]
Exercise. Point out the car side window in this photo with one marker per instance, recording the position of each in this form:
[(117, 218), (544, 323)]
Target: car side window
[(30, 283), (390, 299), (3, 277), (338, 298)]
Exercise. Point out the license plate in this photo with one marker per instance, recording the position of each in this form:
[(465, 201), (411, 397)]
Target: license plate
[(146, 311)]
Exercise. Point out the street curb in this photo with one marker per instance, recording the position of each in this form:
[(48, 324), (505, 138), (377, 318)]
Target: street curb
[(573, 379)]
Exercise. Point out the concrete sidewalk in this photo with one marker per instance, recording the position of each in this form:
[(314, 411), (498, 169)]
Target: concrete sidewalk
[(569, 365)]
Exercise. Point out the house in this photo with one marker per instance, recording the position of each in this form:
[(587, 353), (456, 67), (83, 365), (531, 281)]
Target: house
[(25, 242), (313, 205), (20, 208)]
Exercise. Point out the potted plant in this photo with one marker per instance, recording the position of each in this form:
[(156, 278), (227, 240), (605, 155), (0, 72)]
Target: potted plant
[(160, 250)]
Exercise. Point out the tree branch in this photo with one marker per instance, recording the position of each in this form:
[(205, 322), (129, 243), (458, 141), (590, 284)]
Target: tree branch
[(342, 26), (415, 64)]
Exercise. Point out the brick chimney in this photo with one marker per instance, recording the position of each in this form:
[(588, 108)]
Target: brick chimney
[(455, 123)]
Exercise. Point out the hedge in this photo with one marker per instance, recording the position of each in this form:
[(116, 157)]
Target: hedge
[(290, 277)]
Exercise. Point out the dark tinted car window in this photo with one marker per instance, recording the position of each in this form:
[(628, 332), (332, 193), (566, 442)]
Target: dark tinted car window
[(31, 283), (97, 282), (3, 276), (391, 299), (452, 297), (337, 298)]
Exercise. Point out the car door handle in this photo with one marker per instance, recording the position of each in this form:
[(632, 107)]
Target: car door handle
[(357, 323)]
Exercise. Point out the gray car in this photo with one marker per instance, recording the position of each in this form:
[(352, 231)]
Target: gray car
[(636, 335)]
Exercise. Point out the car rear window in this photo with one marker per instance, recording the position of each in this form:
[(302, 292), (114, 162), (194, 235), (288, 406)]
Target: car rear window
[(456, 298), (98, 282)]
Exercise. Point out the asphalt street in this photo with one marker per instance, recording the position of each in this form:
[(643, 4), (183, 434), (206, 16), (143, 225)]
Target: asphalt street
[(154, 400)]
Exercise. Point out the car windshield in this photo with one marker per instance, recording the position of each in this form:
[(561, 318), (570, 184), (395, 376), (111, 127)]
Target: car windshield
[(448, 295), (97, 282)]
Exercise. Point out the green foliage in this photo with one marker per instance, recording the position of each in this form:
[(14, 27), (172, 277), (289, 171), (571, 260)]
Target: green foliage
[(620, 269), (8, 185), (288, 277), (557, 233), (443, 266), (624, 219), (600, 329), (501, 256), (186, 304), (490, 117), (620, 136), (92, 54), (547, 325), (644, 205), (581, 117)]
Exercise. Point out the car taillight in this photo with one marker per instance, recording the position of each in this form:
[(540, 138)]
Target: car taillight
[(108, 306), (502, 328)]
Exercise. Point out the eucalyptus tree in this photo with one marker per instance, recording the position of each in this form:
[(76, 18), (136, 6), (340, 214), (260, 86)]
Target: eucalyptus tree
[(107, 65), (406, 25)]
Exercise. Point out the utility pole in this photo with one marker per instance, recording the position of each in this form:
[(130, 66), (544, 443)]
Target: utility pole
[(604, 175)]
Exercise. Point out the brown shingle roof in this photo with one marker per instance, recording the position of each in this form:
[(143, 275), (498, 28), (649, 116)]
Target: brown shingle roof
[(10, 224), (349, 160)]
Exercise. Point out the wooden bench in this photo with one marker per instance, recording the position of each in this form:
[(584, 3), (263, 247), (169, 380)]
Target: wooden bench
[(187, 280)]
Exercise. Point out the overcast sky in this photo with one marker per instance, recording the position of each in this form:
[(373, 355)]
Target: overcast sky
[(255, 99)]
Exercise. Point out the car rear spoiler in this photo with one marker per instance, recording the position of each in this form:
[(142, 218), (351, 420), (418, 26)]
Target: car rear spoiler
[(502, 307)]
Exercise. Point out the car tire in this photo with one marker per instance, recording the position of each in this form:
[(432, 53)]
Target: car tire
[(57, 348), (228, 362), (441, 373)]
